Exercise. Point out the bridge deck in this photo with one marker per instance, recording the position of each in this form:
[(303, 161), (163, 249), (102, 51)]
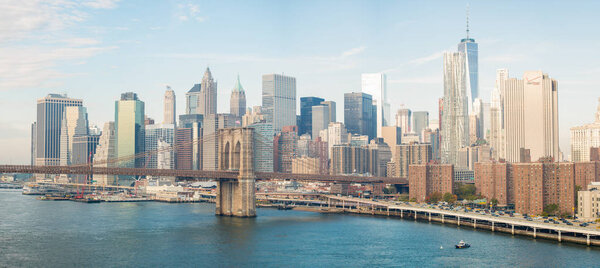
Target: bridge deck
[(195, 174)]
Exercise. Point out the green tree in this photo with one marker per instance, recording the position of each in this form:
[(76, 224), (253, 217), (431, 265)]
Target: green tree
[(551, 209), (450, 198), (466, 191), (494, 202), (434, 197), (413, 200), (403, 197)]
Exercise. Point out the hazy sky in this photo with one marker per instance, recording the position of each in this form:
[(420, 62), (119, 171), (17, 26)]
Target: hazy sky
[(97, 49)]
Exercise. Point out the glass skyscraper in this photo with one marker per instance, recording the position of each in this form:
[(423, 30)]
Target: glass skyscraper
[(360, 114), (279, 100), (50, 112), (305, 124), (455, 127), (154, 135), (375, 84), (130, 129), (470, 48)]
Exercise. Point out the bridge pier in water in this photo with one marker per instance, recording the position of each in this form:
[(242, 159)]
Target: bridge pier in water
[(237, 198)]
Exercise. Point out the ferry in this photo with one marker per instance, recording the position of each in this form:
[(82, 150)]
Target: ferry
[(462, 244)]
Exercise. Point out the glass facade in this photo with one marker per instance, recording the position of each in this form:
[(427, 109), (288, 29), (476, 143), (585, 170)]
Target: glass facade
[(375, 84), (455, 127), (360, 114), (305, 123), (155, 134), (130, 129), (279, 100), (471, 51)]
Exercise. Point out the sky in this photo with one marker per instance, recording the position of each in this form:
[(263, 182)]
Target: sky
[(97, 49)]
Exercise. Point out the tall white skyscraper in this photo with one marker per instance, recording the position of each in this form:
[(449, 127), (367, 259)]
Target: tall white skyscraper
[(375, 84), (169, 109), (105, 153), (404, 120), (531, 116), (496, 137), (74, 123), (279, 100), (585, 137), (455, 127)]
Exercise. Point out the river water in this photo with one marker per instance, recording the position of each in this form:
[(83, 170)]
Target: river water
[(37, 233)]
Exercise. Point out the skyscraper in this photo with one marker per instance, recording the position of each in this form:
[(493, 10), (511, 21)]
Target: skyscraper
[(305, 125), (169, 109), (359, 116), (129, 129), (320, 119), (208, 96), (237, 103), (263, 146), (155, 136), (470, 49), (583, 138), (332, 110), (210, 142), (279, 100), (202, 98), (74, 124), (420, 122), (455, 128), (375, 84), (106, 151), (531, 116), (192, 100), (50, 111), (404, 120), (496, 137)]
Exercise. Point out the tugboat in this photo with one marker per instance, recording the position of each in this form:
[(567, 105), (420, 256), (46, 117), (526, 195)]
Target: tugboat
[(462, 244)]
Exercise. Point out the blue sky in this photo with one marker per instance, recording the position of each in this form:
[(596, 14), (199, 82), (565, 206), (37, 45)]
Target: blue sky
[(97, 49)]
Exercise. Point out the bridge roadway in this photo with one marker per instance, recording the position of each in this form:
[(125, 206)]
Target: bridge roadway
[(514, 225), (195, 174)]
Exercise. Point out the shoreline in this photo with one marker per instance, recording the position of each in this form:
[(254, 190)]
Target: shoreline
[(459, 223)]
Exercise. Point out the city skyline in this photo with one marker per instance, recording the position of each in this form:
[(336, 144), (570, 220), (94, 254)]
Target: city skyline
[(93, 54)]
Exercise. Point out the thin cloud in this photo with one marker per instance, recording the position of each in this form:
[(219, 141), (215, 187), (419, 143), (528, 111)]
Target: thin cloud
[(189, 11), (102, 4), (354, 51)]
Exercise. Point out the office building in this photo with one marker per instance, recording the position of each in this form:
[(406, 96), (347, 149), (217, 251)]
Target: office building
[(320, 119), (106, 152), (286, 143), (404, 120), (384, 156), (470, 49), (360, 114), (202, 98), (375, 84), (33, 146), (336, 134), (129, 129), (237, 103), (263, 146), (160, 134), (169, 113), (279, 100), (584, 138), (210, 141), (496, 137), (455, 128), (253, 115), (84, 149), (531, 116), (426, 179), (50, 111), (74, 124), (332, 110), (305, 123), (392, 135), (420, 121)]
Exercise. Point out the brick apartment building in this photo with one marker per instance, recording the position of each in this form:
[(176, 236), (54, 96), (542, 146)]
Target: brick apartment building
[(429, 178)]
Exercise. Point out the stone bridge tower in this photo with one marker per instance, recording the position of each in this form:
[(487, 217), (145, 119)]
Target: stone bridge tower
[(236, 151)]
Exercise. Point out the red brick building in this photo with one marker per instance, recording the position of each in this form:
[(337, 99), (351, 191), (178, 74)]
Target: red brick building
[(285, 145), (491, 181), (423, 180)]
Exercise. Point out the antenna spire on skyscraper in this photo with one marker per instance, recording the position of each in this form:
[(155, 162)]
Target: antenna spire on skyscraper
[(467, 21)]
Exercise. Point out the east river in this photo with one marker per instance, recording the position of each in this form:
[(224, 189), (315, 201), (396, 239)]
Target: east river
[(37, 233)]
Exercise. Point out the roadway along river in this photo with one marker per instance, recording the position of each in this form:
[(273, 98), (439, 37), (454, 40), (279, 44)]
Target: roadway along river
[(67, 234)]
